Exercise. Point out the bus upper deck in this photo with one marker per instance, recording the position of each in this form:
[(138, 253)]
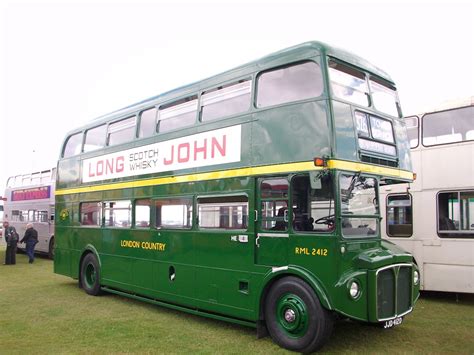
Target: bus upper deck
[(345, 109)]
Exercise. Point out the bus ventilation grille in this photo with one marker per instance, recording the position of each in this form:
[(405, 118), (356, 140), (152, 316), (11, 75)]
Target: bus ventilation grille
[(393, 292), (378, 161)]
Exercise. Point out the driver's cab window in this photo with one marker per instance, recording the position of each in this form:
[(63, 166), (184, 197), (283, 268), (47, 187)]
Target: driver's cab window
[(312, 203)]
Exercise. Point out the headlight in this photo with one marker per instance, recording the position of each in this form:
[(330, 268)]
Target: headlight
[(354, 290), (416, 277)]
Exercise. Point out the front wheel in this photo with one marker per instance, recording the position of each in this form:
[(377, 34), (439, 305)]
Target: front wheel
[(295, 318), (90, 275)]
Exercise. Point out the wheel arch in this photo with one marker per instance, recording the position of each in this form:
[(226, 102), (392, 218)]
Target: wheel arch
[(276, 274)]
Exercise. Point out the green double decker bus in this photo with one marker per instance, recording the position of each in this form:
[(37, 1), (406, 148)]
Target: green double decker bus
[(251, 197)]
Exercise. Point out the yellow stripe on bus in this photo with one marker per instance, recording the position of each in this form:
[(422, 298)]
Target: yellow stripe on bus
[(251, 171)]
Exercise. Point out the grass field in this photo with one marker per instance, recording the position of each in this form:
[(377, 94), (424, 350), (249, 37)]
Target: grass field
[(42, 312)]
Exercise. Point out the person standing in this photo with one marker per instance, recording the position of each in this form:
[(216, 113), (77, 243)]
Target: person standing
[(30, 238), (11, 238)]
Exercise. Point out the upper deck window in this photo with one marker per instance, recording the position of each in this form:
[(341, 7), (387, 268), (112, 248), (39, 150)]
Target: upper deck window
[(178, 114), (348, 84), (73, 145), (291, 83), (121, 131), (385, 97), (448, 126), (147, 123), (225, 101), (95, 138), (412, 130)]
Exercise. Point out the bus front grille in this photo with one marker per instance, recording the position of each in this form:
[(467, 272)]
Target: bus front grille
[(394, 291)]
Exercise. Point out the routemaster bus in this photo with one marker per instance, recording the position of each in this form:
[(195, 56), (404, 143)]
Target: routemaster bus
[(251, 196), (29, 198), (433, 217)]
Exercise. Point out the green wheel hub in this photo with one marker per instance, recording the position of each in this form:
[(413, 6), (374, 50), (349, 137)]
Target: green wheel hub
[(90, 275), (292, 315)]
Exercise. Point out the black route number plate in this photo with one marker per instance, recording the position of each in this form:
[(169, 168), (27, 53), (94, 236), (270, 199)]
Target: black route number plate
[(392, 322)]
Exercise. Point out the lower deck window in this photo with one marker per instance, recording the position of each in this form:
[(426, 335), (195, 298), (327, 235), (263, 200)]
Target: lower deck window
[(174, 213), (227, 212), (456, 214), (118, 214), (91, 213)]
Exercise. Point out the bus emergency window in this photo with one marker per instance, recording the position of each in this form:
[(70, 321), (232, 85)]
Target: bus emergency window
[(142, 213), (118, 214), (121, 131), (73, 145), (399, 216), (147, 123), (456, 214), (348, 83), (274, 204), (412, 130), (178, 114), (225, 101), (95, 138), (227, 212), (448, 126), (313, 208), (292, 83), (174, 213), (384, 96), (91, 213)]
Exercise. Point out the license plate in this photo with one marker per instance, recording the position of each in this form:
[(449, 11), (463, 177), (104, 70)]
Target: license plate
[(392, 322)]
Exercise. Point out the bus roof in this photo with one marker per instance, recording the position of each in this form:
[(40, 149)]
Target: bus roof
[(295, 53)]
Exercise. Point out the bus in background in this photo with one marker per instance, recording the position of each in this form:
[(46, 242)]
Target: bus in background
[(433, 218), (251, 196), (29, 198)]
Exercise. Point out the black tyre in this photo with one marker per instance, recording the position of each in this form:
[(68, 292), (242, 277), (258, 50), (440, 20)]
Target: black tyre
[(295, 318), (51, 249), (90, 275)]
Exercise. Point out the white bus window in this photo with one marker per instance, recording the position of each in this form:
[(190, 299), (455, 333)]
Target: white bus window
[(174, 213), (147, 123), (448, 126), (348, 84), (399, 216), (91, 213), (35, 178), (142, 213), (412, 130), (225, 101), (178, 114), (456, 214), (95, 138), (274, 204), (118, 214), (226, 212), (292, 83), (73, 145), (121, 131)]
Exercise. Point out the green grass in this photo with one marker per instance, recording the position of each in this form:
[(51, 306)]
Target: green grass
[(42, 312)]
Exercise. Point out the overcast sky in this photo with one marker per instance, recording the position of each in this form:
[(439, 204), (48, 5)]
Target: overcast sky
[(64, 63)]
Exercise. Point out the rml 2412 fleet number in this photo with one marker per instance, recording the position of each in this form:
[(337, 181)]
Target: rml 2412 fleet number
[(311, 251)]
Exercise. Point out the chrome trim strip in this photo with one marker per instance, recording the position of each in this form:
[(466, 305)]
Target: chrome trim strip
[(273, 235)]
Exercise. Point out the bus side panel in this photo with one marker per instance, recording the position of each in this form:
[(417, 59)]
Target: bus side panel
[(307, 121)]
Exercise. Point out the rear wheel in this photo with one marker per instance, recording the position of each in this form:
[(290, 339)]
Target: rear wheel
[(90, 275), (295, 318)]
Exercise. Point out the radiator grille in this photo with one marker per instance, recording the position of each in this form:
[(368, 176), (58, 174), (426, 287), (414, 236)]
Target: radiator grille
[(394, 285)]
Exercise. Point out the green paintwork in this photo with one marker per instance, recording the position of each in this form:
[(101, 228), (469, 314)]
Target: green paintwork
[(213, 274), (292, 315)]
